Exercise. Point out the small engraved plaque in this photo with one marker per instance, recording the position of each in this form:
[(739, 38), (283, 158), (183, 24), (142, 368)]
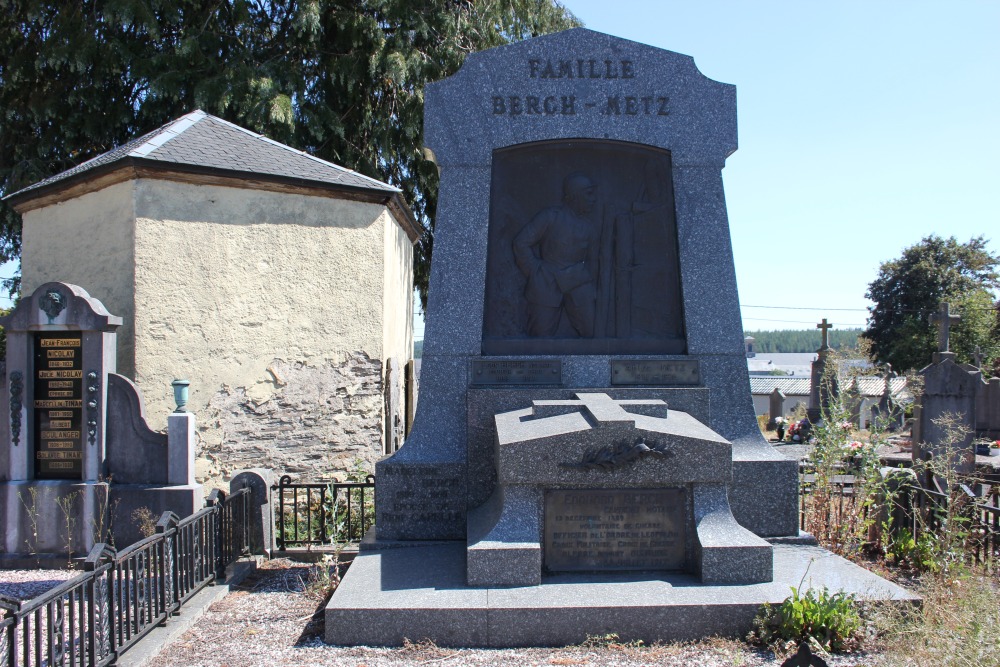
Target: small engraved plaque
[(655, 372), (637, 529), (58, 434), (515, 372)]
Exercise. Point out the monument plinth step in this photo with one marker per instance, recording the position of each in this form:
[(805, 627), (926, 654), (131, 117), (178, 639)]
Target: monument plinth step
[(420, 593)]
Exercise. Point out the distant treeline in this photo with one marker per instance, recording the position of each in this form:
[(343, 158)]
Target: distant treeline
[(802, 341)]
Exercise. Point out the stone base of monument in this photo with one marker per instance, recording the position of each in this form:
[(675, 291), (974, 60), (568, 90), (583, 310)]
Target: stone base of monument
[(183, 500), (421, 593), (596, 484), (38, 514)]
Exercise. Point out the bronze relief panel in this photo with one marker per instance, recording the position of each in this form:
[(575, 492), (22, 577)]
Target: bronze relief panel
[(582, 252)]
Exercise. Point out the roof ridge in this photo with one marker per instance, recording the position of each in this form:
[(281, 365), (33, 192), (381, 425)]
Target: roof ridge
[(171, 130)]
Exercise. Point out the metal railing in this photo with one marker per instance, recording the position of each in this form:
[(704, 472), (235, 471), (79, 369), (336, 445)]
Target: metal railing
[(322, 513), (918, 510), (121, 596)]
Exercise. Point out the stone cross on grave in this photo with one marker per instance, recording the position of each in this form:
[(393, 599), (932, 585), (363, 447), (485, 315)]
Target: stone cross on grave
[(826, 336), (978, 357), (601, 409), (943, 318)]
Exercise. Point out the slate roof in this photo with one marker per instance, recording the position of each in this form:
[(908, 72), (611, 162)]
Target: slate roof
[(874, 386), (867, 386), (791, 386), (206, 143)]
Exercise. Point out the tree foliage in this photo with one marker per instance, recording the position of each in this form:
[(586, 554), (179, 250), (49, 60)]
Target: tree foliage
[(807, 340), (908, 289), (340, 79)]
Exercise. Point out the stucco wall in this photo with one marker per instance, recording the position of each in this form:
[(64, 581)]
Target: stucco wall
[(87, 241), (231, 283), (397, 301)]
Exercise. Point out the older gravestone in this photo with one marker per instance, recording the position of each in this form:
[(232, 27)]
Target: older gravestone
[(824, 387), (776, 403), (585, 432), (76, 455), (946, 425)]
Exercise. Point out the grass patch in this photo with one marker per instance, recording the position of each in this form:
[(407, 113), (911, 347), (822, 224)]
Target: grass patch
[(958, 623)]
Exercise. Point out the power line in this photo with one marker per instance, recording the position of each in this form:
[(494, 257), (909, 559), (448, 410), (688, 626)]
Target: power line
[(743, 305)]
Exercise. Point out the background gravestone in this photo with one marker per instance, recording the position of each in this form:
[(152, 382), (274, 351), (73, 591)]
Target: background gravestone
[(824, 387), (75, 449), (777, 407), (621, 144), (946, 424)]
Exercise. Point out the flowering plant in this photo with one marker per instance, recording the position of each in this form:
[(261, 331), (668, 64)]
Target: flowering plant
[(855, 445), (779, 421), (846, 426), (797, 430)]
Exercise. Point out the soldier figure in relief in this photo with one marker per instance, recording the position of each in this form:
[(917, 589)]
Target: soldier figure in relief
[(558, 253)]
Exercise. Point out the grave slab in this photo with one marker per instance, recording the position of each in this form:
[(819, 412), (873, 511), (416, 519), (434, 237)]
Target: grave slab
[(420, 593)]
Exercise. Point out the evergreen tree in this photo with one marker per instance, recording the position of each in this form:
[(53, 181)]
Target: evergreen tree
[(908, 289), (340, 79)]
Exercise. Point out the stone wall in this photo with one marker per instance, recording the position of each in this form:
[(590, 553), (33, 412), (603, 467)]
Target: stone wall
[(318, 420)]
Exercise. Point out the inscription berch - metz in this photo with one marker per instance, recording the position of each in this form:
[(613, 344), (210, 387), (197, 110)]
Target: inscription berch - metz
[(621, 103), (601, 529), (58, 406)]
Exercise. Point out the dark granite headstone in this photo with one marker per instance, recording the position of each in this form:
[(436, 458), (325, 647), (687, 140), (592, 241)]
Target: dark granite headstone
[(581, 220)]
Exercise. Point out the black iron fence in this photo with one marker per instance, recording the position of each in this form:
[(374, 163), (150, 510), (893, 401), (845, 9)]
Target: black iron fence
[(911, 509), (121, 596), (322, 513)]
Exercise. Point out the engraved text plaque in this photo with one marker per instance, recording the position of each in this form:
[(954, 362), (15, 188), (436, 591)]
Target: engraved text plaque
[(516, 372), (637, 529), (655, 372)]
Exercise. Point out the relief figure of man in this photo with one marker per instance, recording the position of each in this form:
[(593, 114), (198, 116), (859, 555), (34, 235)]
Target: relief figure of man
[(558, 254)]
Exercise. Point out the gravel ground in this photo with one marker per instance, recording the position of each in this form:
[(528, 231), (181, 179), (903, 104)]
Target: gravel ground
[(274, 619), (26, 584)]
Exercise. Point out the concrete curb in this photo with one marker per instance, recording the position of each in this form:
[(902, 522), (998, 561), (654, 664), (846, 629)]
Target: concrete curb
[(150, 646)]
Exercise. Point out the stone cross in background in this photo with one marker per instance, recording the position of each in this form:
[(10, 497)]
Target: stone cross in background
[(826, 336), (978, 357), (943, 318)]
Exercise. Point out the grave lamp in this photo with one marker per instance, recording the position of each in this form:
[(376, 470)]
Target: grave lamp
[(180, 394)]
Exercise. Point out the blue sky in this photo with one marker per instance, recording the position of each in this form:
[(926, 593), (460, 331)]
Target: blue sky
[(863, 128)]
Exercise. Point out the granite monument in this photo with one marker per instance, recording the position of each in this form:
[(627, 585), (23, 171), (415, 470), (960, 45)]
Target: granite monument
[(585, 456)]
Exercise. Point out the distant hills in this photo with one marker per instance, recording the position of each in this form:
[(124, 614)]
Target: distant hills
[(807, 340), (769, 341)]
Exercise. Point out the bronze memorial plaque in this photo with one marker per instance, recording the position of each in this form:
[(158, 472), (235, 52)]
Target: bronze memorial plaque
[(621, 529), (58, 404), (582, 251), (655, 372), (516, 371)]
